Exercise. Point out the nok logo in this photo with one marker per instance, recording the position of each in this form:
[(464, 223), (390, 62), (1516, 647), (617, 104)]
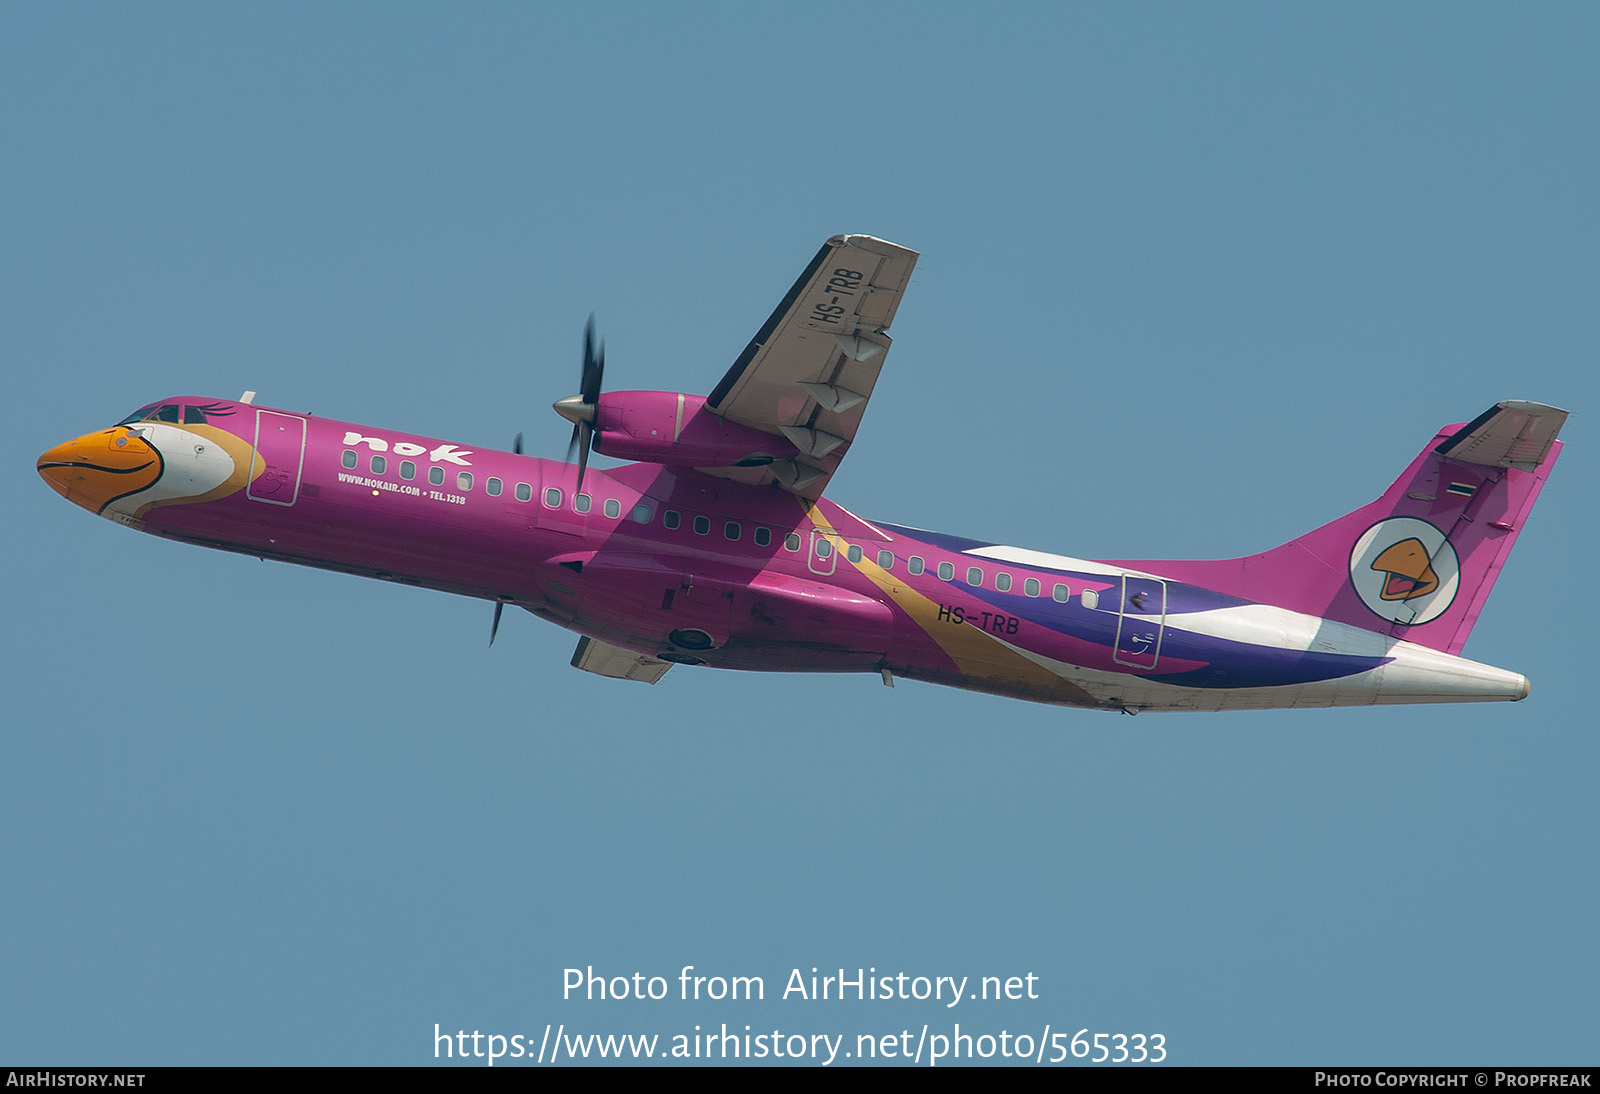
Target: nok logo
[(1405, 570)]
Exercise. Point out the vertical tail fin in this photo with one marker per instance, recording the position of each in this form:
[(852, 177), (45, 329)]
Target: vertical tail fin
[(1419, 562)]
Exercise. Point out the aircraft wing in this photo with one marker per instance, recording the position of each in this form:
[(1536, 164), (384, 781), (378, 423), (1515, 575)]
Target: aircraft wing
[(810, 369)]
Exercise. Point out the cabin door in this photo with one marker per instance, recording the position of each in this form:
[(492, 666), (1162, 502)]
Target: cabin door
[(824, 555), (1141, 620), (280, 453)]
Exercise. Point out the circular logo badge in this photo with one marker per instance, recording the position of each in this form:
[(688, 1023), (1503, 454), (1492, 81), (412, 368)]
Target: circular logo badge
[(1405, 570)]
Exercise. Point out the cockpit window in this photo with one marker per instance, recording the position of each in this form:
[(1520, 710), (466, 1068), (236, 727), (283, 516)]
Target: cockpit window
[(143, 414), (155, 412), (169, 412)]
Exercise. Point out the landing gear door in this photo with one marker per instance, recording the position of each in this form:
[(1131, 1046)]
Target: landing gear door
[(1141, 619)]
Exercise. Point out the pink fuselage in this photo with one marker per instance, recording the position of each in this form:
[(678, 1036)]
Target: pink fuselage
[(684, 566)]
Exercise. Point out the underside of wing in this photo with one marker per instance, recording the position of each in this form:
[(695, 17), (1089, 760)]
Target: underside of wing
[(809, 371)]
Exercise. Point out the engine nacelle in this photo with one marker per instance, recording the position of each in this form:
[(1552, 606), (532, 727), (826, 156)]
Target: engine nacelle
[(670, 428)]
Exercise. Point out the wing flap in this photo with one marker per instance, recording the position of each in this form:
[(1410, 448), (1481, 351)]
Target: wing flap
[(604, 659)]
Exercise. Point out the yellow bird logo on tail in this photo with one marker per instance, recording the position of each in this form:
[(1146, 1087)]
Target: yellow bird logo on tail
[(1409, 569)]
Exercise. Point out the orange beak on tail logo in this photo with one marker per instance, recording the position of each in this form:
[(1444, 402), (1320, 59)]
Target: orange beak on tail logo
[(1405, 571), (1409, 569)]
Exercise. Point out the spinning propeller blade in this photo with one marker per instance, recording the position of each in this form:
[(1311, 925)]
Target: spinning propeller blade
[(580, 409)]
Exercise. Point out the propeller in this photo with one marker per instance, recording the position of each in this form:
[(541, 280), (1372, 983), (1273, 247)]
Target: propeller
[(499, 605), (580, 409)]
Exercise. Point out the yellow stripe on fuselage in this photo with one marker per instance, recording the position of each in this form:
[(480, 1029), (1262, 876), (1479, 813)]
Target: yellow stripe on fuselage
[(979, 656)]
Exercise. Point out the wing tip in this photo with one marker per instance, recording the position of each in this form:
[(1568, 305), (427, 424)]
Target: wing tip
[(869, 243)]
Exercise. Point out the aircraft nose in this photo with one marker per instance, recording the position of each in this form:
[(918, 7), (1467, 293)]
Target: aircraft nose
[(97, 468)]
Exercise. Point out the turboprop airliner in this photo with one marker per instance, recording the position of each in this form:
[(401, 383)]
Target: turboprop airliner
[(716, 547)]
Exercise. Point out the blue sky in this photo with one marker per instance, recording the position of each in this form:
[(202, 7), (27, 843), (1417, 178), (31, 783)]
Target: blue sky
[(1195, 279)]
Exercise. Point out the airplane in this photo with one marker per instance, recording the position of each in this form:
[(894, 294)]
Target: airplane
[(716, 547)]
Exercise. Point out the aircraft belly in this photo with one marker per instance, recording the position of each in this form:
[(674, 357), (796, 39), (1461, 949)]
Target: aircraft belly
[(775, 609), (759, 620)]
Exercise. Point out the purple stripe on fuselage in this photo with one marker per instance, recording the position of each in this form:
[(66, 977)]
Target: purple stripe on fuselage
[(1240, 665), (1221, 662)]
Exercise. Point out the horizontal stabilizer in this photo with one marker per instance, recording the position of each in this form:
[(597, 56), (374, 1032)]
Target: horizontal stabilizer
[(604, 659), (1508, 434)]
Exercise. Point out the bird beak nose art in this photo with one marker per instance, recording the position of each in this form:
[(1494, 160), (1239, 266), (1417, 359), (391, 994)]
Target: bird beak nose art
[(98, 468)]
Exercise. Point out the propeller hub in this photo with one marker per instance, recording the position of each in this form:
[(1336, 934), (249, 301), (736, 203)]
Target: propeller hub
[(575, 409)]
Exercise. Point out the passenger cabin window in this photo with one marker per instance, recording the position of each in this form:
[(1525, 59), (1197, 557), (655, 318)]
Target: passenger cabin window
[(380, 464), (613, 508), (947, 571), (1002, 582), (763, 536), (914, 564), (493, 486), (1031, 586), (408, 470), (853, 553), (702, 526), (524, 492), (582, 502), (436, 476), (348, 458), (552, 498), (791, 542), (974, 576), (464, 480), (731, 531), (671, 520), (1060, 594), (886, 560), (641, 514)]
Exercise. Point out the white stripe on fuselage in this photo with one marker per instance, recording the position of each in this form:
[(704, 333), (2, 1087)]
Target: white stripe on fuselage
[(1047, 561), (1280, 628), (1415, 670), (1415, 674)]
